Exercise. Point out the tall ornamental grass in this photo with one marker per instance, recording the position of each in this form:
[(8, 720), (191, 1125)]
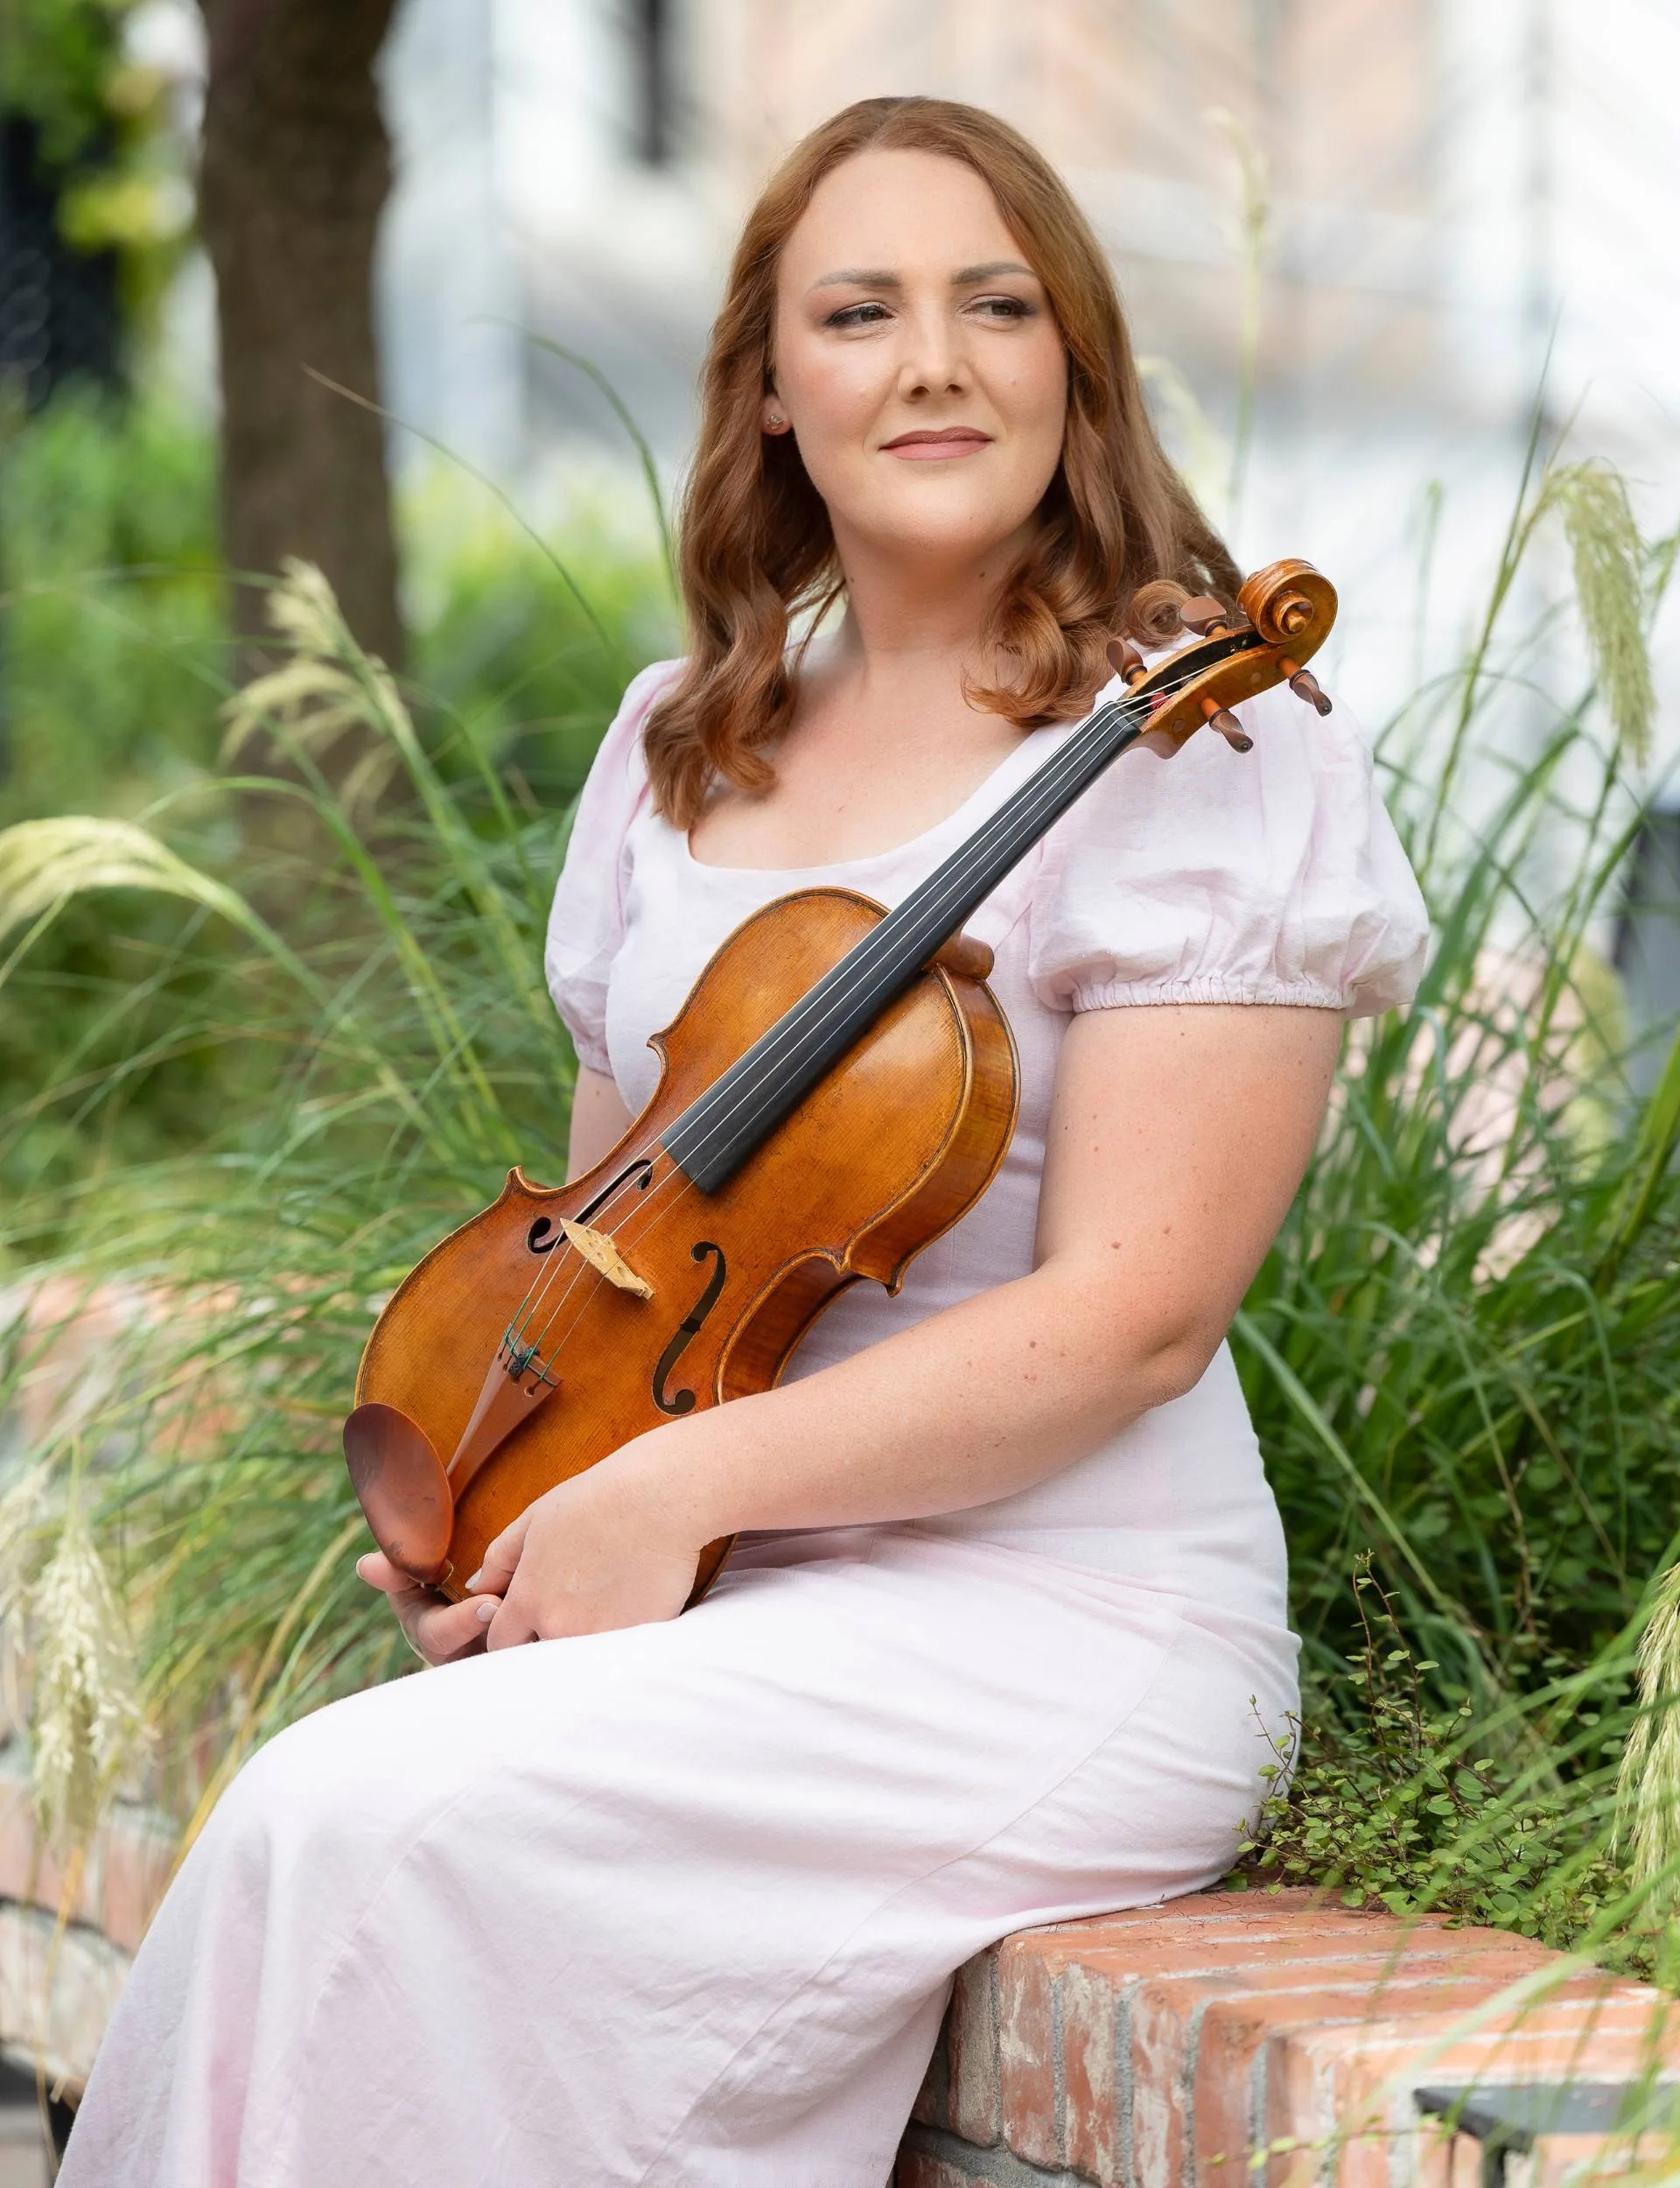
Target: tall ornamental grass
[(115, 657), (1462, 1354)]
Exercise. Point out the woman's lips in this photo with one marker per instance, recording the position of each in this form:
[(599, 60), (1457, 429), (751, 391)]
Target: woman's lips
[(951, 440)]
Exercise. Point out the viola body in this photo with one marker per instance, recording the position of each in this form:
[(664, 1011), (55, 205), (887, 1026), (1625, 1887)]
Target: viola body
[(878, 1159)]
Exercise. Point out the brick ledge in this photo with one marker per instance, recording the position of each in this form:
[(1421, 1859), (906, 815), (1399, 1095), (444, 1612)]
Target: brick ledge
[(1229, 2039)]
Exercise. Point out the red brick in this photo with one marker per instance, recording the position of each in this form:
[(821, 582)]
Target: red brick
[(1224, 1917), (1089, 1968), (915, 2170), (1440, 2160), (1235, 2031), (116, 1885), (1326, 2017), (1093, 2015), (1353, 2083), (1170, 2014), (1026, 2049), (1165, 2013), (1575, 2161), (1311, 1940), (137, 1862), (29, 1872), (933, 2105), (1200, 1906), (975, 2099)]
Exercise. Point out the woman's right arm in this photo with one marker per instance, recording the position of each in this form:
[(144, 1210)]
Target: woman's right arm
[(599, 1120)]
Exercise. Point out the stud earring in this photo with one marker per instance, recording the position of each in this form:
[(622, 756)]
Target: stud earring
[(775, 421)]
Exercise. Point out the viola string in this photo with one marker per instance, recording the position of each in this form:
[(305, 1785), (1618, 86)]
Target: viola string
[(1047, 784), (798, 1034)]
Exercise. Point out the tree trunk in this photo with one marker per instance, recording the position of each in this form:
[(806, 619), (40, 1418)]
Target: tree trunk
[(296, 168)]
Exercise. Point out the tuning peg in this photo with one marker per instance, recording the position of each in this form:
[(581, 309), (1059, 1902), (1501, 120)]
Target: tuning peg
[(1125, 660), (1205, 615), (1305, 686), (1223, 719)]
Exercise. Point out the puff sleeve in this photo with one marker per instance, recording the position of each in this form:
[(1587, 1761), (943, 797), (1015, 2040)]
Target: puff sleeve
[(586, 921), (1213, 877)]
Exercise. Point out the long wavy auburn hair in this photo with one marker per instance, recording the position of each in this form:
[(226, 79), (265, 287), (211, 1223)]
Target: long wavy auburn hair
[(1120, 540)]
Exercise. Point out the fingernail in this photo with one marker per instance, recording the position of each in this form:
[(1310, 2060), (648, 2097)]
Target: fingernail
[(487, 1610), (476, 1578)]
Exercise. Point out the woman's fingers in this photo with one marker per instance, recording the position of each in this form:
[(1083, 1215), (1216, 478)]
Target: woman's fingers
[(442, 1631), (501, 1558), (509, 1627), (437, 1628), (390, 1580)]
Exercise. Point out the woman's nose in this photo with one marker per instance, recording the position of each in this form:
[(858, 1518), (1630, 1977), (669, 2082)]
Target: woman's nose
[(933, 362)]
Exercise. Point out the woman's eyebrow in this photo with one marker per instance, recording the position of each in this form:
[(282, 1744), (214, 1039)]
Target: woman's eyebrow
[(859, 278), (880, 277), (970, 274)]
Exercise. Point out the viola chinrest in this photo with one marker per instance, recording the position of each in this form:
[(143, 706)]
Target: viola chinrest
[(403, 1489)]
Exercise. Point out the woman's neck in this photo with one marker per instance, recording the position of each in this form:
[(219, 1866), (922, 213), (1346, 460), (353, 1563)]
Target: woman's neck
[(883, 743), (917, 614)]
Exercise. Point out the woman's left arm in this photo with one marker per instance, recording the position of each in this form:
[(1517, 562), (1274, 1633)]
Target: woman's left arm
[(1178, 1137)]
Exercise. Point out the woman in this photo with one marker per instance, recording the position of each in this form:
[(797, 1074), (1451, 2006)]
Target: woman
[(678, 1900)]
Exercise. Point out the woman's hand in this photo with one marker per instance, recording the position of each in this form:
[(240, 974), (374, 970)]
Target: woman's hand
[(604, 1550), (437, 1630)]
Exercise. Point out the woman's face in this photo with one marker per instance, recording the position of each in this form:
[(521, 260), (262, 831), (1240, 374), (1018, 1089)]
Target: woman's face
[(917, 361)]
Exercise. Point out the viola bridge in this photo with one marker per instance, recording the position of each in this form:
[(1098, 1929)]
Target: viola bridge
[(601, 1254)]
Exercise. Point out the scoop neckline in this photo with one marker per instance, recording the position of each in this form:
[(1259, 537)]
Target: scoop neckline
[(987, 787)]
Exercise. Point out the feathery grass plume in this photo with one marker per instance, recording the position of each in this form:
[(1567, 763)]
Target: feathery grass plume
[(1609, 562), (1201, 453), (23, 1511), (86, 1716), (327, 688), (1253, 245), (44, 863), (1648, 1785)]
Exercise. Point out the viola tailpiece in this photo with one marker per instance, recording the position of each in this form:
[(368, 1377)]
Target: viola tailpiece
[(838, 1089)]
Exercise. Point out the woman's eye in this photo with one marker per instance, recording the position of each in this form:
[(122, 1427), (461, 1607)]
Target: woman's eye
[(857, 315), (1003, 307)]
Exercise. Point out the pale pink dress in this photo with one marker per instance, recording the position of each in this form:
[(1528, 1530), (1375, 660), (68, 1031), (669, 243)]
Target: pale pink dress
[(678, 1906)]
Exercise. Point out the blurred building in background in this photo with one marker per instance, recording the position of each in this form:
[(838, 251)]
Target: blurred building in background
[(1391, 211), (1356, 237)]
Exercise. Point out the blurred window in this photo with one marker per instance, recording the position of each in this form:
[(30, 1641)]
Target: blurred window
[(1648, 941), (651, 58)]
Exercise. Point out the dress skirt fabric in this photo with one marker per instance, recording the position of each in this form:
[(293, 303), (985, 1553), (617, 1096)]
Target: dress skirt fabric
[(678, 1904)]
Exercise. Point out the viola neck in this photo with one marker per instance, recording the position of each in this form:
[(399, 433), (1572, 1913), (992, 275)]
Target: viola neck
[(716, 1133)]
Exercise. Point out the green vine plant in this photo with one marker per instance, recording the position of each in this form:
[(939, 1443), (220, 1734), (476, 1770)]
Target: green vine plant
[(1381, 1796)]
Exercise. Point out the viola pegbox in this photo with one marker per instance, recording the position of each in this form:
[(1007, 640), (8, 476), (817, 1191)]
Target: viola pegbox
[(1283, 615)]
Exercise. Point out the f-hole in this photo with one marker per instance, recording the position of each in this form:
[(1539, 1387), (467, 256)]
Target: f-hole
[(683, 1401), (642, 1170)]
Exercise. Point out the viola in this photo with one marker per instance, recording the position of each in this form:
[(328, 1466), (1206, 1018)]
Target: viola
[(838, 1089)]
